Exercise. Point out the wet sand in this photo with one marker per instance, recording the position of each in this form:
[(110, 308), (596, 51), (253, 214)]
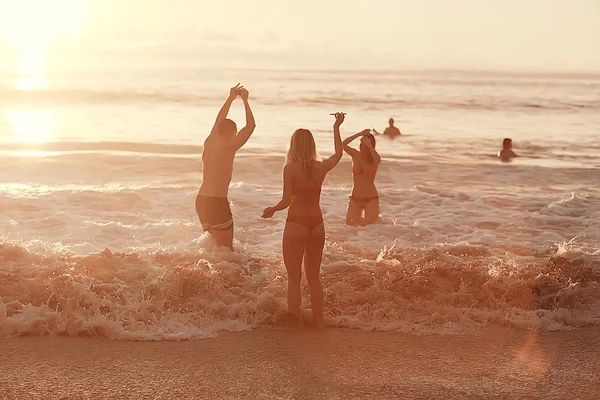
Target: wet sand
[(330, 364)]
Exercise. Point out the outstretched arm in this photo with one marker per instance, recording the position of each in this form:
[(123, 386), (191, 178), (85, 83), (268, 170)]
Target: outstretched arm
[(346, 143), (233, 93), (337, 141), (286, 199), (242, 137)]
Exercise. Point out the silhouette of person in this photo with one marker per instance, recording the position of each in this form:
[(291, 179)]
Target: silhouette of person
[(304, 234), (364, 195), (391, 131), (506, 154), (220, 147)]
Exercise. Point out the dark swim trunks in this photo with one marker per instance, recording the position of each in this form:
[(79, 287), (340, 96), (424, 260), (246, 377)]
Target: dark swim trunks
[(214, 213), (363, 201)]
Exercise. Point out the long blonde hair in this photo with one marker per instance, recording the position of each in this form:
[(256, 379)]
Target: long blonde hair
[(302, 150)]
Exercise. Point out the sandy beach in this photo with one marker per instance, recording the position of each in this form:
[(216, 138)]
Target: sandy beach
[(330, 364)]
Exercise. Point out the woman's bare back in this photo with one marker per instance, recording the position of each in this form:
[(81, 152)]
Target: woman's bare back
[(306, 189)]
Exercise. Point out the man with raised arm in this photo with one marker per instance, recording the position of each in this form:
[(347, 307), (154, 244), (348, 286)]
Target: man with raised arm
[(212, 204), (392, 132)]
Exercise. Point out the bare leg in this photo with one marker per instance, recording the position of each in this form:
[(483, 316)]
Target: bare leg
[(312, 267), (354, 213), (224, 237), (371, 212), (294, 241)]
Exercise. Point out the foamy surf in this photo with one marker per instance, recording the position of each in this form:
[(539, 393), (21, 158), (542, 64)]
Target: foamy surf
[(164, 295)]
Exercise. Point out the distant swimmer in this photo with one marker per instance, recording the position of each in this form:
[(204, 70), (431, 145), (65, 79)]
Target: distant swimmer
[(364, 197), (506, 154), (212, 204), (391, 131), (304, 233)]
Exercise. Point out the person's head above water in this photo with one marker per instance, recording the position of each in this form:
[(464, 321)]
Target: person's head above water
[(227, 129), (302, 148), (391, 121), (507, 143)]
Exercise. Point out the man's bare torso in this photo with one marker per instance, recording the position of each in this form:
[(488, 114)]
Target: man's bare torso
[(217, 168), (391, 131)]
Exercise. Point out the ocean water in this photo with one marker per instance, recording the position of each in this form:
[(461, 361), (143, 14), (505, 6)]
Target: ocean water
[(99, 171)]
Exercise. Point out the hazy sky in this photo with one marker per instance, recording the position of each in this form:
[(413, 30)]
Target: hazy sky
[(533, 34)]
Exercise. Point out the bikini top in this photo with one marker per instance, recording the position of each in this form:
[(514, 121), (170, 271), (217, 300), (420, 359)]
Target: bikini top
[(308, 190)]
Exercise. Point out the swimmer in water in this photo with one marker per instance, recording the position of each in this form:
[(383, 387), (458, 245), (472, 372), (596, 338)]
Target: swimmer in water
[(304, 233), (391, 131), (507, 154)]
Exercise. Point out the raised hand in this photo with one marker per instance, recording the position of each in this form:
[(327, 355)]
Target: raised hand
[(235, 91), (339, 119), (243, 93), (366, 132), (268, 212)]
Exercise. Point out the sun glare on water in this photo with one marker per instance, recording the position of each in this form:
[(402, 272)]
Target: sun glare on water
[(30, 28), (31, 71), (37, 24), (31, 126)]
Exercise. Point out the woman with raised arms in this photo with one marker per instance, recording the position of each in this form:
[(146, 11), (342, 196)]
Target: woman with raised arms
[(364, 196), (304, 234)]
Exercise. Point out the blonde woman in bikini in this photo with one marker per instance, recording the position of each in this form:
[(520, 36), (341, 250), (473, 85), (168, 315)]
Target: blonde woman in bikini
[(364, 197), (304, 234)]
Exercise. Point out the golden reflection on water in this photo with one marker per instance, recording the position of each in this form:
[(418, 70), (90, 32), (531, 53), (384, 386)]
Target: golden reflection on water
[(31, 71), (32, 28), (31, 126), (31, 82)]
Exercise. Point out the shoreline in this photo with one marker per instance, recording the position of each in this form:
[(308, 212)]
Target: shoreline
[(308, 364)]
